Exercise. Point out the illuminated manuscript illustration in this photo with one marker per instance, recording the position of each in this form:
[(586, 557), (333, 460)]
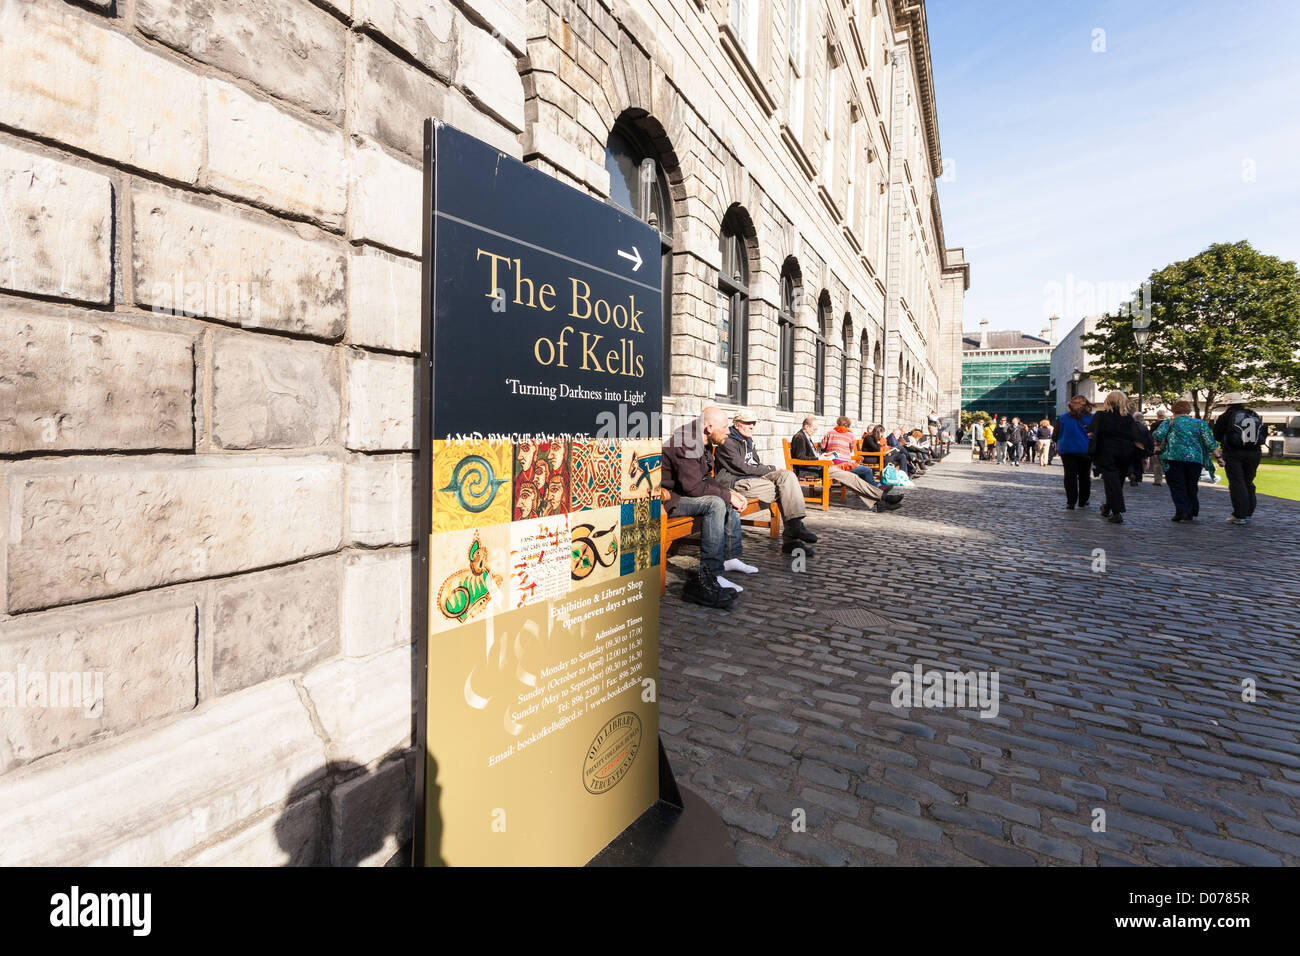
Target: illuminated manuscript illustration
[(594, 475), (471, 484)]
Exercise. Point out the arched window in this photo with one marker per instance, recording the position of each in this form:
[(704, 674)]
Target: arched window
[(878, 392), (733, 318), (637, 184), (866, 384), (823, 332), (785, 320), (845, 339)]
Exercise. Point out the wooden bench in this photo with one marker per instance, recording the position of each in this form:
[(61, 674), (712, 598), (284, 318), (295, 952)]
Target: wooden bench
[(873, 459), (816, 488), (673, 528)]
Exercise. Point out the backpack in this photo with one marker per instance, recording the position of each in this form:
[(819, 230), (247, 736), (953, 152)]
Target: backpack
[(1245, 430)]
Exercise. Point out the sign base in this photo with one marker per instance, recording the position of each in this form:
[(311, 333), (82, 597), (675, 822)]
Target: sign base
[(679, 829)]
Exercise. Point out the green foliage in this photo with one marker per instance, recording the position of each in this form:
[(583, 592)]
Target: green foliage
[(1226, 320), (968, 417)]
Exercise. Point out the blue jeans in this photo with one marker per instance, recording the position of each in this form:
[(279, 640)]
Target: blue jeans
[(719, 532), (865, 473)]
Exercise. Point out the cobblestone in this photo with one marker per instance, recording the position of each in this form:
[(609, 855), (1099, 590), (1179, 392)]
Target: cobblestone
[(774, 708)]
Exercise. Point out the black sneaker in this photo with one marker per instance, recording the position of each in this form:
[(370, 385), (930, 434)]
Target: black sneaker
[(1105, 512), (704, 590), (884, 505), (892, 496), (1069, 507), (1116, 518)]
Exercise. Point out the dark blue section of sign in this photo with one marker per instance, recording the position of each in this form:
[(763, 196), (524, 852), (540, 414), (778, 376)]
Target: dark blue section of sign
[(506, 363)]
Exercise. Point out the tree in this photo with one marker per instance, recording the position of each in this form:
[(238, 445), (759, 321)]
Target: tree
[(1226, 320), (968, 417)]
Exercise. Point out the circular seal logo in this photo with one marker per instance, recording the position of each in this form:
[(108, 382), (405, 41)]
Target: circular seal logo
[(610, 755)]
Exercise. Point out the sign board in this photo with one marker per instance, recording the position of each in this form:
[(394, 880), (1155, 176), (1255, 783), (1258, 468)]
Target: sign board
[(538, 495)]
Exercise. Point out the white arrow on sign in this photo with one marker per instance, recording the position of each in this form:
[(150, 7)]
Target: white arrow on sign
[(633, 256)]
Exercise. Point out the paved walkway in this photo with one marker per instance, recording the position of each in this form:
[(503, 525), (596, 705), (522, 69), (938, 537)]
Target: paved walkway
[(1120, 690)]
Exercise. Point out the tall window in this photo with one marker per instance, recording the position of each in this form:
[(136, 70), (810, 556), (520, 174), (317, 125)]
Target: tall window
[(823, 330), (744, 23), (831, 107), (866, 383), (785, 347), (637, 184), (844, 366), (850, 212), (878, 391), (733, 307), (794, 70)]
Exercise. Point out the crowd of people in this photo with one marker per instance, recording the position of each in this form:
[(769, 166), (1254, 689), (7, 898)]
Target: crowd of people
[(1115, 444), (711, 469)]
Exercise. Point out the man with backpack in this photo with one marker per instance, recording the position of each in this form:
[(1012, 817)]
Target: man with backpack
[(1242, 434)]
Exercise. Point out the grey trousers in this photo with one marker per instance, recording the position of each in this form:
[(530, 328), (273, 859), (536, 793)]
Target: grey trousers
[(869, 494), (1157, 471), (780, 486)]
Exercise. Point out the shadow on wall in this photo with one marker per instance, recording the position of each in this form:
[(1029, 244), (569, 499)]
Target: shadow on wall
[(353, 817)]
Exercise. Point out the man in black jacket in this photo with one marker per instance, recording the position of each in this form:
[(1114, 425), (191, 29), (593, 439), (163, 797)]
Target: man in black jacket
[(737, 466), (687, 477), (1242, 435), (802, 447)]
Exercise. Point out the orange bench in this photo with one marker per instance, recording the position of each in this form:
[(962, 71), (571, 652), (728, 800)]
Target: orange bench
[(817, 488), (673, 528), (875, 459)]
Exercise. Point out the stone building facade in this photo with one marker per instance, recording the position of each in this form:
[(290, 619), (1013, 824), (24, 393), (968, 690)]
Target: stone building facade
[(209, 317)]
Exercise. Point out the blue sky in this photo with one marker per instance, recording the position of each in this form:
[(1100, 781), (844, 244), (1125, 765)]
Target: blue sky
[(1072, 174)]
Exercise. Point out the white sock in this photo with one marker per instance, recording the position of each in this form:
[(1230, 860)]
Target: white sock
[(735, 564), (727, 584)]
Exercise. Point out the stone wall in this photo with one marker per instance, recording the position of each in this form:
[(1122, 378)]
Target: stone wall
[(209, 317)]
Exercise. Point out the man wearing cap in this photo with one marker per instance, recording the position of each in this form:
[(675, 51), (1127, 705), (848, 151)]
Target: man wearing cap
[(737, 466)]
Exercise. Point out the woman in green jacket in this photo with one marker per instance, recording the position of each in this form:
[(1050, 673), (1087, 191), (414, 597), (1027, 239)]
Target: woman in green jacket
[(1186, 445)]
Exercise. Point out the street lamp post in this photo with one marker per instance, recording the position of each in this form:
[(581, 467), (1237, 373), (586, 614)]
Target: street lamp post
[(1141, 332)]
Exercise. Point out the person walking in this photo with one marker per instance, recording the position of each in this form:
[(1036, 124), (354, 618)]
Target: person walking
[(1186, 445), (1115, 440), (1044, 441), (1144, 453), (1071, 438), (977, 438), (1243, 434), (1157, 470), (989, 440), (1000, 438)]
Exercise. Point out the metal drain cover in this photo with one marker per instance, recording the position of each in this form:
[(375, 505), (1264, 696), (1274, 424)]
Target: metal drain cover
[(857, 617)]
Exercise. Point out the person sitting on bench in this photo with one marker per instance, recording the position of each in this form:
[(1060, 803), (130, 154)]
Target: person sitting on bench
[(687, 476), (736, 465), (803, 447)]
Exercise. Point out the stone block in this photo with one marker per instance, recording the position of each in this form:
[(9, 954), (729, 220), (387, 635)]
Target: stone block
[(425, 29), (485, 70), (290, 838), (194, 260), (371, 816), (386, 195), (364, 706), (74, 384), (261, 153), (376, 602), (269, 392), (389, 99), (78, 531), (290, 48), (381, 401), (149, 798), (56, 227), (504, 17), (379, 500), (274, 622), (383, 301), (74, 676), (66, 79)]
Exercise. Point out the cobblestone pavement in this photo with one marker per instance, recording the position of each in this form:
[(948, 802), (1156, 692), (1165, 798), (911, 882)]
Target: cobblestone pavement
[(1120, 690)]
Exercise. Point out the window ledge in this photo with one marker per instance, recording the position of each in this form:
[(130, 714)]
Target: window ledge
[(851, 236), (829, 202), (792, 142), (736, 51)]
